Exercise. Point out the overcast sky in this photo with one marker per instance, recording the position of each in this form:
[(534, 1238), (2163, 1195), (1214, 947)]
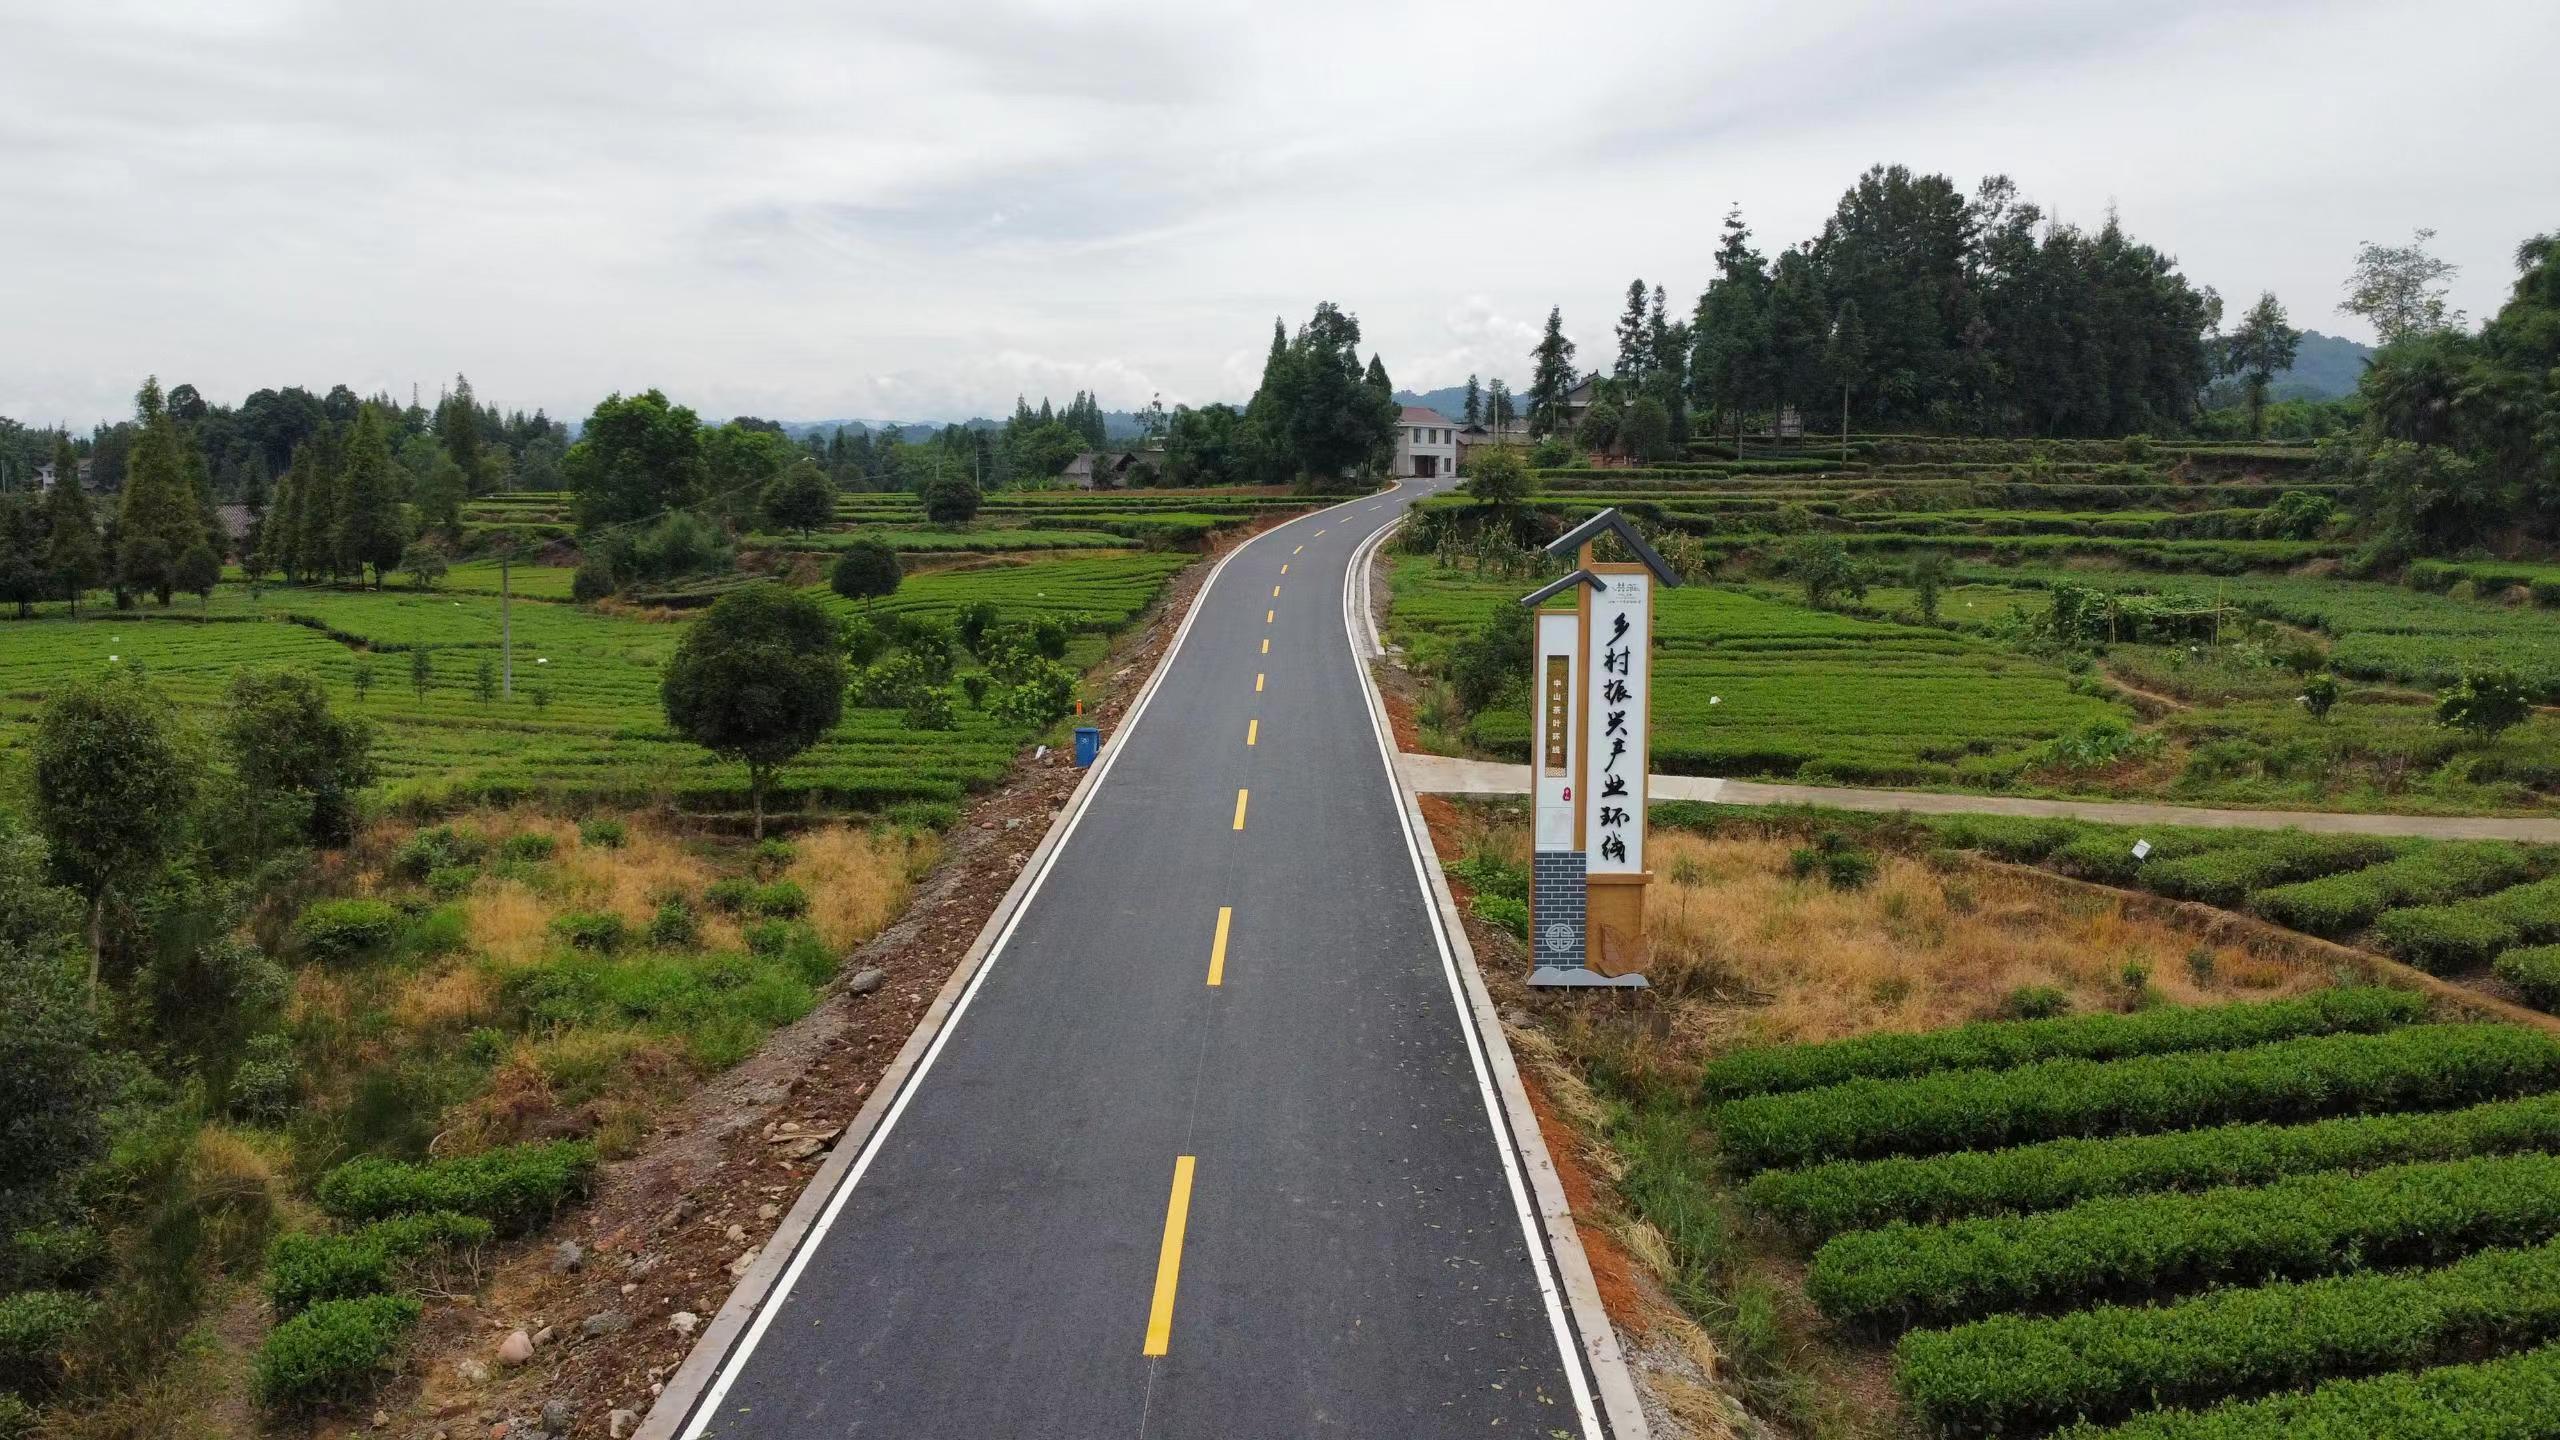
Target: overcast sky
[(825, 209)]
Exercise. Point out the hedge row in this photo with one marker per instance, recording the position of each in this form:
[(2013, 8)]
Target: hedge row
[(334, 1349), (2446, 938), (2516, 1398), (1824, 1200), (2225, 876), (2339, 905), (2426, 1066), (2000, 1044), (2010, 1374), (304, 1269), (2144, 1244), (514, 1188)]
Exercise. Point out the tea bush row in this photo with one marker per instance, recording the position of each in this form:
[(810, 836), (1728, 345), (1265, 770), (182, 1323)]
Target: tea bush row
[(2514, 1398), (2144, 1245), (2421, 1066), (305, 1268), (514, 1188), (2012, 1374), (2338, 905), (2000, 1044), (1824, 1200)]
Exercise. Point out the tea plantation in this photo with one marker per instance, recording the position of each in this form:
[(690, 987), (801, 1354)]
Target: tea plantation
[(2265, 1219)]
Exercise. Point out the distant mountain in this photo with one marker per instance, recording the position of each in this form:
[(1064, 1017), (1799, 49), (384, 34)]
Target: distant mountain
[(1450, 401), (2324, 368), (1117, 424)]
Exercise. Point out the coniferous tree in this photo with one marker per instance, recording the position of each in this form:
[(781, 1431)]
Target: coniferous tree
[(1729, 335), (1552, 376), (370, 533), (158, 519), (1474, 404), (24, 579), (458, 427), (1499, 411), (1635, 351), (72, 553)]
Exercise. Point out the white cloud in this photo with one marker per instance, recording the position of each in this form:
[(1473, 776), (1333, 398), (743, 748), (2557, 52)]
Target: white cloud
[(812, 209)]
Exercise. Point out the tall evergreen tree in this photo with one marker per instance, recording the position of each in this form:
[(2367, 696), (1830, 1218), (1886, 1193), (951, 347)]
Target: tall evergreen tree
[(1475, 403), (370, 533), (24, 579), (158, 518), (1729, 334), (1551, 377), (1498, 408), (72, 553), (1635, 350), (458, 427)]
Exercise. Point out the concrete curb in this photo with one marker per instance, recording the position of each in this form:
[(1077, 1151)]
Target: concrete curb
[(670, 1413), (1603, 1358)]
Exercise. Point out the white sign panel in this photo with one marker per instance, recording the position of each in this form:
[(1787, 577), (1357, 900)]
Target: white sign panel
[(1617, 690), (1555, 697)]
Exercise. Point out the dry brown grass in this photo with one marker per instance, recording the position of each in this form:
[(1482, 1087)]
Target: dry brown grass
[(1915, 950), (455, 998), (857, 879)]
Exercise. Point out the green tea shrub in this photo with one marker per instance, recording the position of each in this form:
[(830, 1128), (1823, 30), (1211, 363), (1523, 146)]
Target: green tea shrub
[(331, 931), (1998, 1044), (2514, 1398), (515, 1187), (2535, 972), (2301, 1079), (599, 930), (2339, 905), (781, 900), (335, 1350)]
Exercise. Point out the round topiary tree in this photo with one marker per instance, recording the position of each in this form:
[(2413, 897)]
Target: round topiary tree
[(949, 499), (757, 680), (866, 571)]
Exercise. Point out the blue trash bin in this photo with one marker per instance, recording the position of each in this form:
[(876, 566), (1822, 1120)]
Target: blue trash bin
[(1088, 744)]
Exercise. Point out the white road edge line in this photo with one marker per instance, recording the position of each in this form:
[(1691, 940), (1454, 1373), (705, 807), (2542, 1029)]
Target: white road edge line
[(694, 1392), (1555, 1245)]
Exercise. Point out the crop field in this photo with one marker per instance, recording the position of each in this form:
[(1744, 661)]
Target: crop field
[(2214, 1222), (585, 719), (1750, 686), (1007, 520)]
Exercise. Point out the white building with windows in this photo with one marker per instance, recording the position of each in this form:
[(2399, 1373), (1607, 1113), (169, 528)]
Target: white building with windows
[(1426, 444)]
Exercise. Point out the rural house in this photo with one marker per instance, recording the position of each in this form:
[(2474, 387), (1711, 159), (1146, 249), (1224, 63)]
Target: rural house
[(1426, 444)]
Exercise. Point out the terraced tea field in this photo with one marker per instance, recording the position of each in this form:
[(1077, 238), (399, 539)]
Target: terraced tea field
[(585, 720), (2293, 1217), (1751, 686)]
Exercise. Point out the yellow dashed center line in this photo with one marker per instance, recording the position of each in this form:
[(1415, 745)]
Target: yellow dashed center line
[(1301, 550), (1319, 534), (1177, 1212), (1218, 947), (1252, 731), (1269, 615), (1266, 644), (1275, 592), (1240, 797), (1257, 682), (1284, 567)]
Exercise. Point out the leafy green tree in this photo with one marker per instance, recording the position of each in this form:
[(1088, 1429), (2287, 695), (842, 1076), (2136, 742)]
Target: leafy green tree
[(1825, 568), (2484, 703), (2320, 695), (636, 456), (1551, 376), (740, 463), (757, 680), (866, 571), (2262, 346), (1497, 476), (799, 498), (293, 756), (1597, 430), (422, 672), (1644, 432), (1321, 415), (949, 500), (114, 789), (52, 1088), (360, 676), (2401, 289), (484, 681), (1203, 446), (197, 572), (1928, 582), (24, 576), (72, 553), (424, 563), (439, 491)]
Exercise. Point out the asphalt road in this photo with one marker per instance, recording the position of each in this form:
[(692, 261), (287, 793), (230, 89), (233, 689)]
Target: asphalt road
[(1153, 1184)]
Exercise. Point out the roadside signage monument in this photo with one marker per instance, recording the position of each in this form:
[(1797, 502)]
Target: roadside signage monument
[(1591, 698)]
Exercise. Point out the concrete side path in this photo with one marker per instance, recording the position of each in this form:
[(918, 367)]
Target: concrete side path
[(1447, 775)]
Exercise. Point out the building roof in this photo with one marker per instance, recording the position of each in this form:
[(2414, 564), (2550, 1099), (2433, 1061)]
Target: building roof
[(1425, 415)]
